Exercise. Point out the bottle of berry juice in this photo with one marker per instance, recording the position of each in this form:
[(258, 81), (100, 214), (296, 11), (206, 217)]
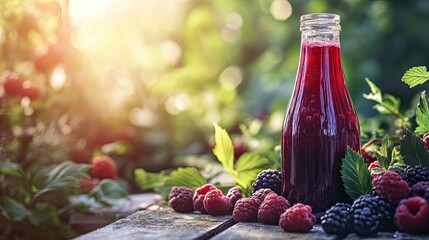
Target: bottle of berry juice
[(320, 122)]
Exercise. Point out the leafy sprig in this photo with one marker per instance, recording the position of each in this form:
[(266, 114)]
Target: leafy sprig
[(415, 76), (413, 150)]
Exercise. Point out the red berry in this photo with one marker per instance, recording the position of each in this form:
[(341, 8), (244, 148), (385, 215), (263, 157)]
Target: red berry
[(246, 210), (12, 83), (412, 215), (103, 167), (271, 208), (373, 165), (180, 199), (390, 185), (298, 218), (216, 203), (30, 90), (262, 193), (50, 58), (426, 140), (199, 195), (233, 194)]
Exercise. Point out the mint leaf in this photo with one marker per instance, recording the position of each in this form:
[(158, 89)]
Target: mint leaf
[(224, 150), (247, 167), (386, 104), (422, 115), (384, 157), (415, 76), (413, 150), (355, 175)]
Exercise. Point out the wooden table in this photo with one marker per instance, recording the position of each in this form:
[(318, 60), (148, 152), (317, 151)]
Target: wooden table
[(163, 223)]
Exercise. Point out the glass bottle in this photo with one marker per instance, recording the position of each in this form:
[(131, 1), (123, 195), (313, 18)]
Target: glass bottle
[(320, 122)]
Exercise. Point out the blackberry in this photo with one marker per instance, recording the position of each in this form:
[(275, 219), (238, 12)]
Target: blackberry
[(338, 220), (415, 174), (268, 179), (421, 189), (366, 219), (386, 212)]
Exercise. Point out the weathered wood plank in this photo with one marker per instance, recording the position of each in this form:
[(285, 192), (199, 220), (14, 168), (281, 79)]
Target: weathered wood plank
[(157, 224)]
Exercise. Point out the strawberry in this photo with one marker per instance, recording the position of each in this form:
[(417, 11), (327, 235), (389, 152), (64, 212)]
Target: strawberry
[(103, 167)]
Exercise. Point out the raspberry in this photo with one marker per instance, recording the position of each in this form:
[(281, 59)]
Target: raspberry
[(271, 208), (298, 218), (337, 220), (421, 189), (268, 179), (426, 140), (180, 199), (368, 157), (412, 215), (199, 195), (390, 185), (12, 83), (246, 210), (415, 174), (216, 203), (233, 194), (103, 167), (262, 193), (366, 220)]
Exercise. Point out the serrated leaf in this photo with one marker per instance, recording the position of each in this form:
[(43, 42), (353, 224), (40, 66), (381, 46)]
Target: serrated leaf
[(415, 76), (109, 192), (422, 115), (355, 175), (375, 94), (413, 150), (224, 150), (188, 177), (386, 104), (12, 209), (247, 167)]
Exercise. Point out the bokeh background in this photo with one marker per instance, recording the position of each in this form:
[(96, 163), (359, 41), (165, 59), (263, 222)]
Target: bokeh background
[(144, 81)]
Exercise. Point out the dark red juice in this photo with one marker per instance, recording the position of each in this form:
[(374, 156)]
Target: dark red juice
[(320, 123)]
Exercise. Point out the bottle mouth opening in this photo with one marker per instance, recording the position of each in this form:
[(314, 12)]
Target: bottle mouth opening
[(320, 21)]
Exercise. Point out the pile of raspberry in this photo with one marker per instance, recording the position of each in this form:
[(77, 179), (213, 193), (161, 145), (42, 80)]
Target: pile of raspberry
[(399, 202), (265, 206), (207, 199)]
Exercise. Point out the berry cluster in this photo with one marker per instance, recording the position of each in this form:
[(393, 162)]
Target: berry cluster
[(265, 206), (206, 199), (14, 86), (399, 201)]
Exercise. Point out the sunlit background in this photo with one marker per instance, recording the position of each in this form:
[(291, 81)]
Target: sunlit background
[(145, 80)]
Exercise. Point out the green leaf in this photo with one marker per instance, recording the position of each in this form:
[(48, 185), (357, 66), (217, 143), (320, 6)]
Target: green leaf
[(386, 104), (413, 150), (247, 167), (355, 175), (12, 209), (422, 115), (187, 177), (62, 177), (415, 76), (224, 150), (43, 213), (10, 168), (109, 192), (384, 157), (147, 180)]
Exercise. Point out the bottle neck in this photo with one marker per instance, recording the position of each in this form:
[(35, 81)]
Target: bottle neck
[(322, 37)]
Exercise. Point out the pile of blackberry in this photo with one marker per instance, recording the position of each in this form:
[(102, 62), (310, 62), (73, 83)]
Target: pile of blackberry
[(367, 216), (415, 174)]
